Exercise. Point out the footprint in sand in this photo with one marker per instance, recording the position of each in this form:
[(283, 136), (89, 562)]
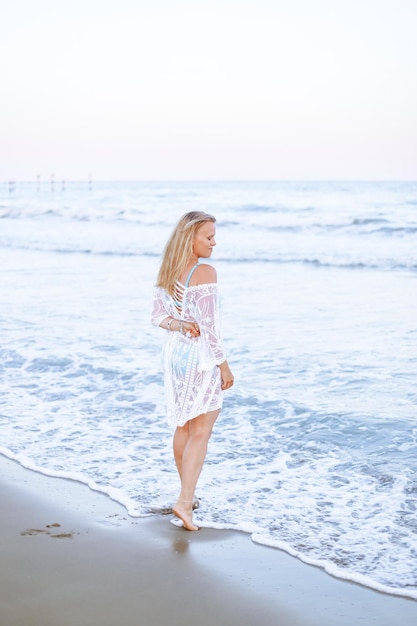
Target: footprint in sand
[(34, 531), (41, 531)]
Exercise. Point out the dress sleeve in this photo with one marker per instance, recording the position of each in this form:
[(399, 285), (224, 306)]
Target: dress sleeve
[(209, 322), (159, 311)]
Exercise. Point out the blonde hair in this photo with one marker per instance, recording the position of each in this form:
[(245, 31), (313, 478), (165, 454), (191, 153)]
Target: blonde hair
[(179, 248)]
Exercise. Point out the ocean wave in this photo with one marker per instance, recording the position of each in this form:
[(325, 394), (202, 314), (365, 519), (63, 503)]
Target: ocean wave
[(364, 221), (72, 250), (358, 227), (257, 209), (384, 264), (294, 474), (395, 230)]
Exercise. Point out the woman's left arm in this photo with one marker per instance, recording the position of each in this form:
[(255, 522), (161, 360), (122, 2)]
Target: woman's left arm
[(162, 317), (159, 310)]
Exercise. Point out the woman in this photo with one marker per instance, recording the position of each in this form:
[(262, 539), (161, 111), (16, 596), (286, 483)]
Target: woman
[(196, 371)]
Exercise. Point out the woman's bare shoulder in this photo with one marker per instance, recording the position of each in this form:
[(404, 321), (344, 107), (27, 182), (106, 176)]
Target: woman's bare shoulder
[(203, 274)]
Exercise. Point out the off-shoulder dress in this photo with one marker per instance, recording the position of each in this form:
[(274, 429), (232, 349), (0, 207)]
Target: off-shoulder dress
[(191, 377)]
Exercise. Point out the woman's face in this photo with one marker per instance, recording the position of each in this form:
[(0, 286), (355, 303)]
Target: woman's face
[(204, 240)]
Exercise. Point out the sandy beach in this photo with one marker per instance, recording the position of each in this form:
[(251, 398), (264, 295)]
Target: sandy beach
[(74, 556)]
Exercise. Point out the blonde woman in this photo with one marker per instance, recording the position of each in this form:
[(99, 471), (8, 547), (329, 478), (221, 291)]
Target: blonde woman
[(196, 371)]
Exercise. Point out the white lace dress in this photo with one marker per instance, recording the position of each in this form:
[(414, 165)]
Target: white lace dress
[(191, 376)]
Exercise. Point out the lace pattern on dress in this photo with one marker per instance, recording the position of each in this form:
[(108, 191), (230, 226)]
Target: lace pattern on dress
[(192, 378)]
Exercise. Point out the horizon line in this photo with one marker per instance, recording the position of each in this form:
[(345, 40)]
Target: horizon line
[(89, 180)]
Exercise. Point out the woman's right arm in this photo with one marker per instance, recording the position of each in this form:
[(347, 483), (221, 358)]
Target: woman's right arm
[(208, 319), (226, 374)]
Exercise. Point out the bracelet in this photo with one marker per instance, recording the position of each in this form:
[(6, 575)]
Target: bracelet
[(169, 323)]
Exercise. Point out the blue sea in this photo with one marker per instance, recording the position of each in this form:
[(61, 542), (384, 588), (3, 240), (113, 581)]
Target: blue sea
[(315, 451)]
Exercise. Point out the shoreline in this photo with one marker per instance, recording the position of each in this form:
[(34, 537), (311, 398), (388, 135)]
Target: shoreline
[(105, 567), (327, 567)]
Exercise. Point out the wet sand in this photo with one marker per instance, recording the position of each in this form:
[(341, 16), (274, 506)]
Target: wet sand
[(73, 556)]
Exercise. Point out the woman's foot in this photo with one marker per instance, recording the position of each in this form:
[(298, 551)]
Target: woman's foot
[(184, 511)]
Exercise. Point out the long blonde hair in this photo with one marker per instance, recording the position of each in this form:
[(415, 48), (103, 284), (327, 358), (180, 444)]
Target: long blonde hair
[(179, 248)]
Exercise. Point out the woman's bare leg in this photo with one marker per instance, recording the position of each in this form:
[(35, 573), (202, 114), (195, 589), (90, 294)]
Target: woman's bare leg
[(180, 440), (194, 453)]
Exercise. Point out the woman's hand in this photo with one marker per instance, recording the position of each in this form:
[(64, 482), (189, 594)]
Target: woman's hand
[(191, 329), (227, 376)]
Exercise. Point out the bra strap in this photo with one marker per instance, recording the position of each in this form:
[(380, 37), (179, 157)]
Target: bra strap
[(190, 274)]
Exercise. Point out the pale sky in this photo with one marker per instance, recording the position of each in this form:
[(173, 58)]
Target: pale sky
[(208, 89)]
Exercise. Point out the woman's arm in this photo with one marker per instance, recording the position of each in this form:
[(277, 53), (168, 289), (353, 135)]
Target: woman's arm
[(162, 318), (159, 313), (208, 319), (226, 374)]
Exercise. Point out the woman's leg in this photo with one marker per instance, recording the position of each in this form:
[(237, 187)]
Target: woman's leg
[(180, 440), (194, 453)]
